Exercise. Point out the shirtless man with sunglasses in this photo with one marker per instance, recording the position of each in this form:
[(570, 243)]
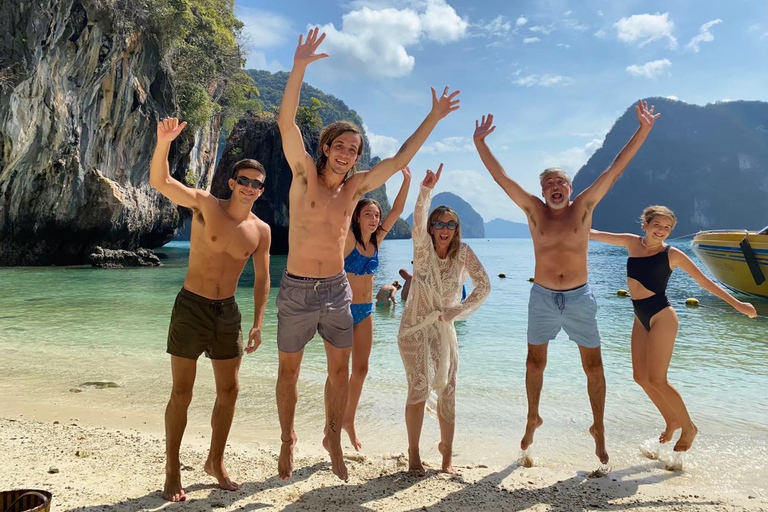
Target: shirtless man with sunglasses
[(205, 317)]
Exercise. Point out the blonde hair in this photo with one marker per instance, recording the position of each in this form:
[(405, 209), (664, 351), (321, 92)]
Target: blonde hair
[(654, 211), (455, 245), (554, 170)]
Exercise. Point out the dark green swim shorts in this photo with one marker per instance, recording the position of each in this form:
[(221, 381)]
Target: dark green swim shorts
[(199, 324)]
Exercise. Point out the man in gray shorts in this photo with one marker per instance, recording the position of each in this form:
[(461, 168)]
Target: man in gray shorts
[(314, 293), (560, 296)]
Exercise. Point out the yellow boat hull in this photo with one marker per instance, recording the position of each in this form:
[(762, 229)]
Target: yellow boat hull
[(721, 254)]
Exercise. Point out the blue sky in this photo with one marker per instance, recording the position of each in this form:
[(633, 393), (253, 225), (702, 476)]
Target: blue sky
[(556, 74)]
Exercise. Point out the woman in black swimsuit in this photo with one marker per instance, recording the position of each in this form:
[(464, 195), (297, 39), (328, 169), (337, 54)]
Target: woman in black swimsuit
[(649, 266)]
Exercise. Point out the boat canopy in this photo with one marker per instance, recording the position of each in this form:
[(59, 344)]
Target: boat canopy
[(763, 231)]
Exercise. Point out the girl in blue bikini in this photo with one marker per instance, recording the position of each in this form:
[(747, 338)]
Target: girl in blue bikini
[(360, 262), (649, 266)]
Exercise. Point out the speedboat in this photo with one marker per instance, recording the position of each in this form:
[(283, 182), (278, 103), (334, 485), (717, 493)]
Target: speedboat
[(738, 259)]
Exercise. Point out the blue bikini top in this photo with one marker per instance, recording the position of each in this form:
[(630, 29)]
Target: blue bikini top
[(360, 264)]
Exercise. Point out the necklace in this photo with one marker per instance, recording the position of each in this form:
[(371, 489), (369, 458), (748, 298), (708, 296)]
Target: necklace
[(642, 241)]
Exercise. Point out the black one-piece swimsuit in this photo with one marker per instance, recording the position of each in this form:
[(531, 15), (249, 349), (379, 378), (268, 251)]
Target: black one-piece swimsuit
[(653, 273)]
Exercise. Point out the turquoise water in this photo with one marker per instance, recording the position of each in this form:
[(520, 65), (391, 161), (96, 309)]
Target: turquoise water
[(60, 327)]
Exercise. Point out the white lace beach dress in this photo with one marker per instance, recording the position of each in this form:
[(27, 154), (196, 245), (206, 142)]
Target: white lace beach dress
[(428, 346)]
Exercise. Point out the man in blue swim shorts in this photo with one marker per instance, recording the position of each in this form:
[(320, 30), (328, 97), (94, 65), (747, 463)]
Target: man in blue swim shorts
[(560, 296)]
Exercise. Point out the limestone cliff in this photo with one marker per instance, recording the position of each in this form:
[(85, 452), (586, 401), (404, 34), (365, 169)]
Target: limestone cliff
[(80, 94)]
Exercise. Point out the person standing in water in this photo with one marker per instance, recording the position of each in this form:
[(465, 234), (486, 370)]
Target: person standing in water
[(361, 261), (427, 338), (205, 317), (649, 266)]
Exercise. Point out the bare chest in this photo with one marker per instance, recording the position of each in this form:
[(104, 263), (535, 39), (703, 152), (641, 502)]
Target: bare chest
[(219, 234), (566, 230), (323, 209)]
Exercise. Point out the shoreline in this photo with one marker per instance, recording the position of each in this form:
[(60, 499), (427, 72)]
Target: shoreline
[(102, 468)]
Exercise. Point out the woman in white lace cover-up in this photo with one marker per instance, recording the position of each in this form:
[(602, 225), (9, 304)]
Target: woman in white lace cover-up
[(427, 338)]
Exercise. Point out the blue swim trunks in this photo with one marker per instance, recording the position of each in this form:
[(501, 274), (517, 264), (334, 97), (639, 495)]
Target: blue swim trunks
[(575, 311), (361, 311)]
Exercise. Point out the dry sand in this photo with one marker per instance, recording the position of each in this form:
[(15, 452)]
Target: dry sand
[(102, 469)]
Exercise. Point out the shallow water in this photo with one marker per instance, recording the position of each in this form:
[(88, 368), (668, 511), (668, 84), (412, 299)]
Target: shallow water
[(60, 327)]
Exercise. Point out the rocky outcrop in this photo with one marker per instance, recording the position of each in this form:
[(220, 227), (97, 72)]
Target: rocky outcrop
[(80, 94), (120, 258), (257, 136), (707, 163)]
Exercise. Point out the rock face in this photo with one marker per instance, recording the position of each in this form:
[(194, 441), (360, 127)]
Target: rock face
[(472, 225), (708, 164), (80, 95), (120, 258), (257, 136)]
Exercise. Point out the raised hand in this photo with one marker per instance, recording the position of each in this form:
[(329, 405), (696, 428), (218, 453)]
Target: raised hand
[(406, 173), (254, 340), (747, 309), (168, 129), (645, 116), (445, 104), (432, 178), (484, 128), (305, 52)]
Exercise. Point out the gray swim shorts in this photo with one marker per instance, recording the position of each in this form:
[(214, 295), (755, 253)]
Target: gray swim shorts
[(309, 305), (574, 311)]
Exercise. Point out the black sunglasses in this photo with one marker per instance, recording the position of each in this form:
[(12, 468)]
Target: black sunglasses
[(257, 184), (438, 224)]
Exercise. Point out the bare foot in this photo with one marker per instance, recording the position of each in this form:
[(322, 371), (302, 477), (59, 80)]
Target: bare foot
[(285, 461), (686, 438), (415, 466), (669, 432), (172, 490), (599, 435), (219, 472), (447, 453), (337, 457), (350, 429), (530, 428)]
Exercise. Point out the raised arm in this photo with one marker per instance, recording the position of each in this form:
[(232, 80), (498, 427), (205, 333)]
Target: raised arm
[(159, 171), (422, 242), (399, 205), (679, 259), (481, 288), (622, 239), (595, 192), (293, 143), (384, 170), (518, 194), (261, 284)]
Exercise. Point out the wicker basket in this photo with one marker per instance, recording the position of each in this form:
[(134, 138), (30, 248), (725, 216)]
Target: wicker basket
[(25, 500)]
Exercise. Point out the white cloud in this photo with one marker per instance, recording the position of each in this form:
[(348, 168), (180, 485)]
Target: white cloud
[(382, 146), (704, 36), (441, 22), (479, 190), (652, 69), (522, 20), (545, 80), (672, 97), (572, 159), (498, 26), (258, 60), (563, 45), (540, 29), (376, 40), (646, 28), (600, 33), (530, 40), (263, 29), (449, 145), (600, 13)]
